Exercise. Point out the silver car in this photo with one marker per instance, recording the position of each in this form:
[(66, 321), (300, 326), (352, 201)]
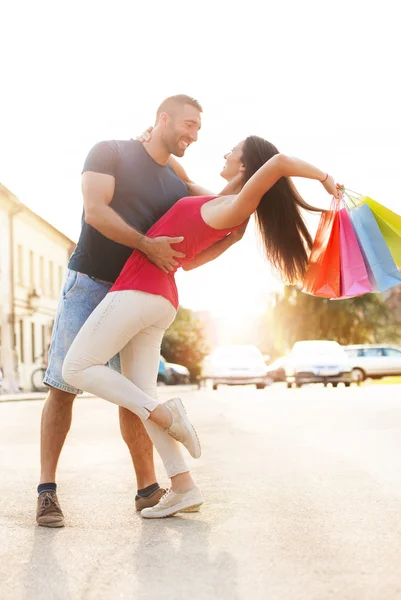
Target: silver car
[(374, 360), (235, 365), (318, 361)]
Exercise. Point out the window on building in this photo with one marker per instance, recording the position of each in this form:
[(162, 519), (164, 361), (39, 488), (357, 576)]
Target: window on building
[(21, 341), (42, 274), (51, 278), (60, 278), (20, 264), (31, 269), (43, 338), (33, 342)]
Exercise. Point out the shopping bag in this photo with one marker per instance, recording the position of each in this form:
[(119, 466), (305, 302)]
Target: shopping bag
[(390, 225), (354, 275), (322, 277), (382, 270)]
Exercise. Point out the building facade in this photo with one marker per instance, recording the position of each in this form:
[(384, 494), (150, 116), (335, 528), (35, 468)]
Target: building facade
[(33, 260)]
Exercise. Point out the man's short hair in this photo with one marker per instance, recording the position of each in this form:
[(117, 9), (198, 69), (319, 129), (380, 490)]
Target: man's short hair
[(173, 103)]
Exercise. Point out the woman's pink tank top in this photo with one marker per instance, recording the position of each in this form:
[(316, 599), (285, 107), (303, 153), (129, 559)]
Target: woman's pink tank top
[(183, 219)]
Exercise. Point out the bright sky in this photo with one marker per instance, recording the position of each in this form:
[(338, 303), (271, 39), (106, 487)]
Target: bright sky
[(318, 79)]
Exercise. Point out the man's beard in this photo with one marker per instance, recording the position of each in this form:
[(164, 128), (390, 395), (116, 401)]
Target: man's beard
[(173, 146)]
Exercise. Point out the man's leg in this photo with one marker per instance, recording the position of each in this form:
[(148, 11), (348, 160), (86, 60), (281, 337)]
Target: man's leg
[(139, 446), (79, 296), (55, 424)]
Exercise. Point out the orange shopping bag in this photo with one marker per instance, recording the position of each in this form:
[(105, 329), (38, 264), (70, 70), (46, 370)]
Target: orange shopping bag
[(322, 277)]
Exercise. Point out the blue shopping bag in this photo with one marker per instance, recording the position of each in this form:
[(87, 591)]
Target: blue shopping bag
[(382, 270)]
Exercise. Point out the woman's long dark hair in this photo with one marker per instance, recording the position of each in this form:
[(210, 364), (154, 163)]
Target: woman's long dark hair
[(285, 236)]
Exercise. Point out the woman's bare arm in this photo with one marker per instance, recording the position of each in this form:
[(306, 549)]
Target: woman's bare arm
[(216, 250), (264, 179), (194, 189)]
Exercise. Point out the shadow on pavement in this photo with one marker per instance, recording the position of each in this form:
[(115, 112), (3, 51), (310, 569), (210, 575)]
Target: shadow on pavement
[(43, 575), (174, 555)]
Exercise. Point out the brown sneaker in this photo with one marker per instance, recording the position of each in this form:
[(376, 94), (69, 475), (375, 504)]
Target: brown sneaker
[(152, 500), (48, 512)]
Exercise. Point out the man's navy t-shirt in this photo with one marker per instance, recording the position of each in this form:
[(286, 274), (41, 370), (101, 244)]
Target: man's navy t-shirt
[(144, 192)]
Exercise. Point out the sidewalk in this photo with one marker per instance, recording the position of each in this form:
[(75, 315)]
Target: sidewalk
[(24, 396), (168, 391)]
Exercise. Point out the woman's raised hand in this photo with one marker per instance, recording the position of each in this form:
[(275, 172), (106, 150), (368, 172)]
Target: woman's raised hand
[(145, 136), (331, 187)]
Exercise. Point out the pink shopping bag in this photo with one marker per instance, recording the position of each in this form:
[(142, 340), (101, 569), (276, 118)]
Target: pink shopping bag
[(354, 275)]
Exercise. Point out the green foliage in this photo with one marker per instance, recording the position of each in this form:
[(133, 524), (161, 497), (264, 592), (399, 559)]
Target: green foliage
[(366, 319), (184, 342)]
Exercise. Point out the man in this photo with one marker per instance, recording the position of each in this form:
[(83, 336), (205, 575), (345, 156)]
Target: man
[(127, 187)]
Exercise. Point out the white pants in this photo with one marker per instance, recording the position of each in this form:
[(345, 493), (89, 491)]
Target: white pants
[(132, 323)]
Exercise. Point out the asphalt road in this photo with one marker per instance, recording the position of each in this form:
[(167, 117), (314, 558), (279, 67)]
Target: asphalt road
[(303, 502)]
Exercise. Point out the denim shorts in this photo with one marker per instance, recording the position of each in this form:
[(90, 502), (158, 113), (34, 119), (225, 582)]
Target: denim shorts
[(79, 297)]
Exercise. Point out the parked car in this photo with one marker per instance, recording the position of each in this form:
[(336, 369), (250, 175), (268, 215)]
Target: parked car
[(235, 365), (374, 360), (276, 371), (318, 361), (178, 374), (164, 374), (172, 374)]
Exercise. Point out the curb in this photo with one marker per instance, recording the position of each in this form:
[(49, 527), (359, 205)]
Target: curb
[(29, 397)]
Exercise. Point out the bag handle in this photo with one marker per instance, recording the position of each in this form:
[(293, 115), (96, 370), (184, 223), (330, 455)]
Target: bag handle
[(335, 203), (353, 197)]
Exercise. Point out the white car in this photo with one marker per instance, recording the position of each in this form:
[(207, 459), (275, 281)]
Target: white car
[(374, 360), (235, 365), (318, 361)]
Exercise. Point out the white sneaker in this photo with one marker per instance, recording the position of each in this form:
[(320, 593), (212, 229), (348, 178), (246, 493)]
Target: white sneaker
[(181, 429), (172, 503)]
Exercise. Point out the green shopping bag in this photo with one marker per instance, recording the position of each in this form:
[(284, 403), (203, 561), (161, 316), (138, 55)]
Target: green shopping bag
[(389, 224)]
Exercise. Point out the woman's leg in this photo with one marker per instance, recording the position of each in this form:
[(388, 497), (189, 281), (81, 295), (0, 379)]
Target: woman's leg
[(139, 363), (113, 324), (119, 318), (115, 321)]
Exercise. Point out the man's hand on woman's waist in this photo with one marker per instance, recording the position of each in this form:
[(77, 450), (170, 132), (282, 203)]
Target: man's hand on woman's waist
[(160, 251)]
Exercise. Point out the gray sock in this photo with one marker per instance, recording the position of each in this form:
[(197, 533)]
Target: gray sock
[(148, 491)]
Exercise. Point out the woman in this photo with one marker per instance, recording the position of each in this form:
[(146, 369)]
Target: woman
[(143, 301)]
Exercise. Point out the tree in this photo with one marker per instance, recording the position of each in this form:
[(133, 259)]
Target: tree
[(184, 342), (366, 319), (393, 300)]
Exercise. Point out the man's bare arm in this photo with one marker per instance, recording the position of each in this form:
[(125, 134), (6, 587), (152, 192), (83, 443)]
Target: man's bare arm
[(232, 187), (216, 250), (98, 190)]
